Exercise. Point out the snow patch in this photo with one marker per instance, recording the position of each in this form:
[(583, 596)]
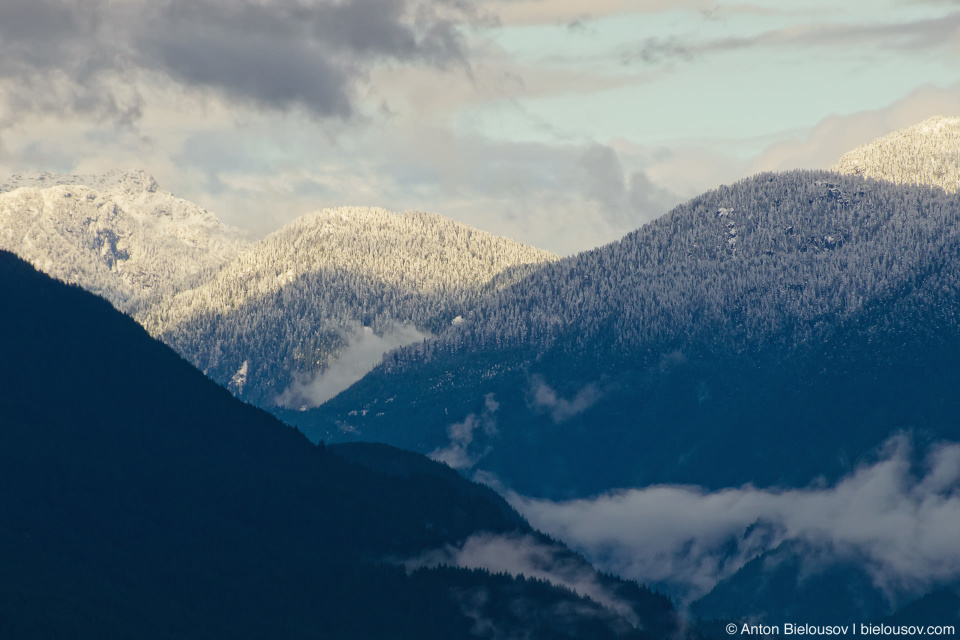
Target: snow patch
[(239, 379)]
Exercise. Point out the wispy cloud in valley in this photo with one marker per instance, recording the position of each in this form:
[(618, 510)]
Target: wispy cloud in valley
[(464, 449), (902, 522), (525, 555), (545, 398), (364, 351)]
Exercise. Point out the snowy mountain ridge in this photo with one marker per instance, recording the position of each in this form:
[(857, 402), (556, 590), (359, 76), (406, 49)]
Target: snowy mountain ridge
[(117, 235), (417, 251), (927, 153), (314, 284), (311, 286)]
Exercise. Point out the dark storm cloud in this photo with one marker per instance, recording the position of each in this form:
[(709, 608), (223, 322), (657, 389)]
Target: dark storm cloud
[(289, 53), (38, 33), (52, 60), (85, 56)]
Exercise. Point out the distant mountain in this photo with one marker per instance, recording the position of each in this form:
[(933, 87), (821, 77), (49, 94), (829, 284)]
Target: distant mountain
[(117, 235), (141, 500), (924, 154), (771, 332), (289, 308)]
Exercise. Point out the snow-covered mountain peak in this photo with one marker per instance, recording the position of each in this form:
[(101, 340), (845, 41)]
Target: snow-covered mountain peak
[(418, 253), (314, 284), (927, 153), (116, 234)]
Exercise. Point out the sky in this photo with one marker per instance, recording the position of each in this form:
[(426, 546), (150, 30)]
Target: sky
[(560, 123)]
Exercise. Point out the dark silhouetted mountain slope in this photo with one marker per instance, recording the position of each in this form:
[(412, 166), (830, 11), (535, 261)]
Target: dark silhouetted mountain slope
[(139, 499)]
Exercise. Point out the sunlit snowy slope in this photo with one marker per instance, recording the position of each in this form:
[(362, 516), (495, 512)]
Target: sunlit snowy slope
[(118, 235)]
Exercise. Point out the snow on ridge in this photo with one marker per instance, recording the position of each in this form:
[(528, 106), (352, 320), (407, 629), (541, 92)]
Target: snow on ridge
[(422, 252), (927, 153), (116, 234)]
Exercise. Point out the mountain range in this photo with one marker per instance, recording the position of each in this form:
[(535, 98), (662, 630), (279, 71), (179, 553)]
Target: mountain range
[(774, 334), (772, 331), (350, 277)]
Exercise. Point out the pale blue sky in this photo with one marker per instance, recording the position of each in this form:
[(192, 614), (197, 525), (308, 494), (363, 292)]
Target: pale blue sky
[(561, 123)]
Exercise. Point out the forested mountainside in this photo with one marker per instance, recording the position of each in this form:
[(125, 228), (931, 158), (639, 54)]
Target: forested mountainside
[(768, 331), (266, 319), (285, 309), (927, 153), (117, 235), (142, 500)]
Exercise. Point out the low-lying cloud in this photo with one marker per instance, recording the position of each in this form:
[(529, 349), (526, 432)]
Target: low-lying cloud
[(364, 352), (462, 452), (516, 555), (901, 523), (545, 398)]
